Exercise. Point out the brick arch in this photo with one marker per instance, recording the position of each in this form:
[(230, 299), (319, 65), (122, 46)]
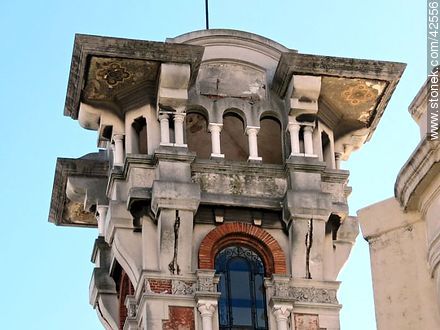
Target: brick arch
[(125, 288), (247, 235)]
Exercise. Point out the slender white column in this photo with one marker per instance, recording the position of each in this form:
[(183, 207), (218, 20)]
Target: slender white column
[(308, 140), (294, 138), (102, 213), (282, 314), (178, 128), (253, 145), (164, 129), (119, 150), (207, 309), (215, 130)]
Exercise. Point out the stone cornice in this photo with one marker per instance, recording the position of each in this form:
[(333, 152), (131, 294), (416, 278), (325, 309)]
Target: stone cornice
[(92, 165), (420, 167), (233, 167), (86, 46), (315, 65)]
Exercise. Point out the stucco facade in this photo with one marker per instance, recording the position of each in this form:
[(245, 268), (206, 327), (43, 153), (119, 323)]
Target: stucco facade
[(216, 142), (404, 235)]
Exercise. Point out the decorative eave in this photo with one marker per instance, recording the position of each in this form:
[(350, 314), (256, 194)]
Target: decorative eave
[(88, 46), (90, 166), (419, 170), (386, 73)]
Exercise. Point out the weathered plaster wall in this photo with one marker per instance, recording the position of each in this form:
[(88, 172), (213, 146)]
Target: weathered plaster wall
[(404, 292)]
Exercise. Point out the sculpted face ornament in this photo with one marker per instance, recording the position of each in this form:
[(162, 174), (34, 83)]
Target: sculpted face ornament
[(113, 74)]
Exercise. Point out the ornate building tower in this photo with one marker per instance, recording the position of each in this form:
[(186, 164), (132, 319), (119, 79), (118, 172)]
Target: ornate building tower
[(217, 191)]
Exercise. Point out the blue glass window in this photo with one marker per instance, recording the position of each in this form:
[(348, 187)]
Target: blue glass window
[(242, 303)]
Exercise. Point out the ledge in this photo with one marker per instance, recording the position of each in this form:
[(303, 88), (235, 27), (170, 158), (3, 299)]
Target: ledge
[(93, 165), (418, 171)]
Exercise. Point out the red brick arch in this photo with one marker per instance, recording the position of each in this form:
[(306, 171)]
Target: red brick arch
[(237, 233)]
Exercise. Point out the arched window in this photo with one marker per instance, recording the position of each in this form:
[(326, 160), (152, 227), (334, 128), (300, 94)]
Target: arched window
[(242, 303), (326, 149), (269, 141), (140, 137), (197, 136), (125, 288), (233, 141)]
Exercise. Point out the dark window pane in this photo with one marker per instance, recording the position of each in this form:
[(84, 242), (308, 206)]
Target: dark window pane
[(222, 303), (240, 291), (242, 303), (260, 302)]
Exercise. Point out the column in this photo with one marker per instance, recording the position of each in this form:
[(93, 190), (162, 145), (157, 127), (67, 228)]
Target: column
[(164, 129), (118, 159), (294, 138), (282, 313), (215, 130), (253, 145), (102, 213), (178, 129), (308, 140), (206, 309)]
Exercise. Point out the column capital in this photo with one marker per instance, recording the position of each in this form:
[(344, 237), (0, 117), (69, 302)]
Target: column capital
[(252, 130), (308, 128), (206, 307), (293, 126), (118, 137), (282, 311), (215, 127), (163, 116), (179, 116)]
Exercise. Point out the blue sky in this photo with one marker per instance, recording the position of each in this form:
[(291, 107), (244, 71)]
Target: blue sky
[(45, 270)]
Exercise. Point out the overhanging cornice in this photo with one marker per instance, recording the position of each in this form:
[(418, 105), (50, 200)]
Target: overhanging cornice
[(386, 73), (87, 46)]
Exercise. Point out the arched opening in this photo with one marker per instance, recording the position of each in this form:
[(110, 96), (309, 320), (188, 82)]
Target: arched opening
[(140, 137), (233, 141), (269, 141), (247, 235), (198, 138), (124, 288), (326, 149), (242, 303), (332, 226)]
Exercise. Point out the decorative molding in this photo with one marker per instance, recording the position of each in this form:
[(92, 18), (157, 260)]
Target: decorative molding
[(313, 295), (183, 288), (206, 281), (419, 166)]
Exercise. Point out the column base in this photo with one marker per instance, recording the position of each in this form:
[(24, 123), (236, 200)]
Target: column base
[(217, 156), (254, 159), (180, 145)]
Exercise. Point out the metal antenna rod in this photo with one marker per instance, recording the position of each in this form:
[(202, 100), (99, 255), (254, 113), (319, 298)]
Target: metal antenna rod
[(207, 14)]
